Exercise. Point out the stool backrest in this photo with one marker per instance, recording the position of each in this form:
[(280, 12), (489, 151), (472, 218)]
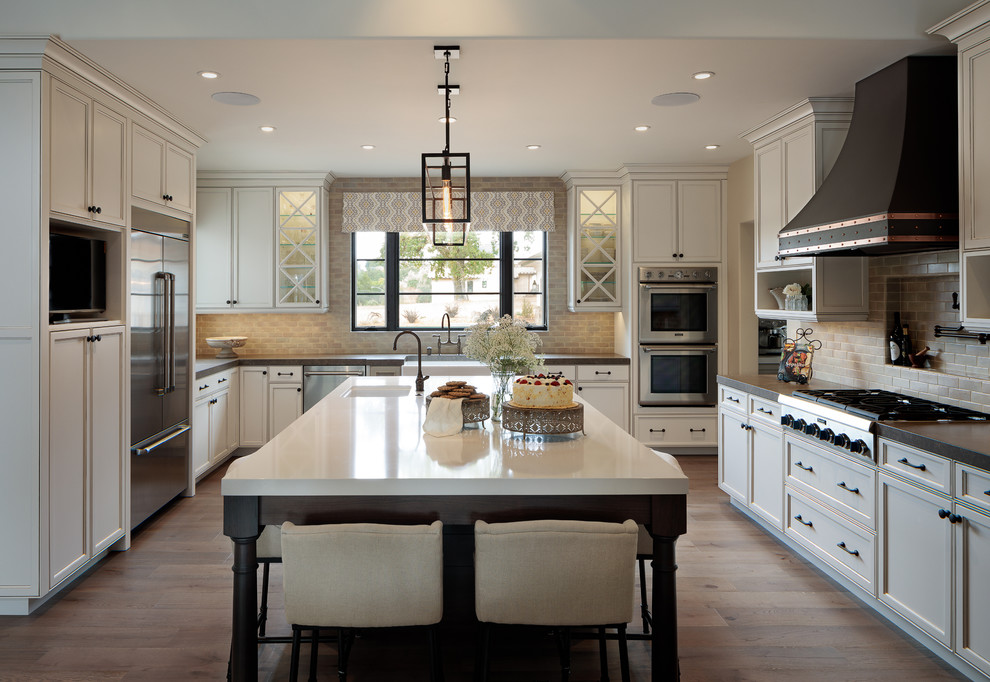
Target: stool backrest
[(363, 574)]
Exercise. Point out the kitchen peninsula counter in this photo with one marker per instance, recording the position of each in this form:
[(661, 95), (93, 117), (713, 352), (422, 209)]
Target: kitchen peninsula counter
[(351, 459)]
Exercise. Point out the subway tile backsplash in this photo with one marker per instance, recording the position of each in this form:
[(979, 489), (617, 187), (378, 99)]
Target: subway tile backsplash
[(920, 286)]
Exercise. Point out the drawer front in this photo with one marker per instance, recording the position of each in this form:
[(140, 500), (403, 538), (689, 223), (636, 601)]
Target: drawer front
[(603, 372), (842, 544), (844, 485), (973, 486), (212, 384), (916, 465), (568, 371), (763, 410), (681, 430), (733, 398), (285, 374)]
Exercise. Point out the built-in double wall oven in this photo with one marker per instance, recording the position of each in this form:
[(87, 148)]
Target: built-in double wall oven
[(678, 330)]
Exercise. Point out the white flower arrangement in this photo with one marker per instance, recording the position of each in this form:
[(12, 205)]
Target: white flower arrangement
[(504, 345), (792, 289)]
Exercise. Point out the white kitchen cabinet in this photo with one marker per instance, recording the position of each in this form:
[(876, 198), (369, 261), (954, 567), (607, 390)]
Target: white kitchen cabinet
[(161, 172), (88, 159), (733, 454), (260, 243), (212, 420), (606, 388), (970, 30), (233, 382), (678, 428), (284, 397), (86, 452), (972, 591), (766, 470), (915, 555), (793, 153), (677, 221), (254, 406), (593, 234)]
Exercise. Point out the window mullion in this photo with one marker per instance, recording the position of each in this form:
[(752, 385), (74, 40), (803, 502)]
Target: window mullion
[(505, 269), (392, 280)]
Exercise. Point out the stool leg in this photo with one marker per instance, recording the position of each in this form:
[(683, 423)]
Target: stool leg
[(644, 605), (481, 659), (294, 660), (263, 611), (313, 651), (436, 664), (345, 639), (603, 654), (564, 651), (623, 654)]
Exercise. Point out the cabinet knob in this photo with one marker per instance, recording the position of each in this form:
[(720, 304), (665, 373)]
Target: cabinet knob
[(317, 301), (298, 390), (680, 255), (228, 301), (580, 388), (234, 301), (98, 337), (264, 373), (99, 209)]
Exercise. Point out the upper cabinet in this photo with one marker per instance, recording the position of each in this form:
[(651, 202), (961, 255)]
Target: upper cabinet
[(260, 245), (88, 158), (677, 221), (970, 29), (594, 270), (792, 153), (161, 172)]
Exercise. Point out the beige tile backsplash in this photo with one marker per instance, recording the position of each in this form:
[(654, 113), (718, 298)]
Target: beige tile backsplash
[(329, 333), (920, 286)]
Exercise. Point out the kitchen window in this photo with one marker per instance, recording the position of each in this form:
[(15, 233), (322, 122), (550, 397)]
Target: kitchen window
[(400, 280)]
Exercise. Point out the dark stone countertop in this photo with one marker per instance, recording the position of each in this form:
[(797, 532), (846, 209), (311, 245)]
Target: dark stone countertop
[(207, 366), (965, 441)]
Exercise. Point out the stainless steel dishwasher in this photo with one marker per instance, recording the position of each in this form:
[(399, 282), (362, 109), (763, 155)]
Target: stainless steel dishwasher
[(319, 380)]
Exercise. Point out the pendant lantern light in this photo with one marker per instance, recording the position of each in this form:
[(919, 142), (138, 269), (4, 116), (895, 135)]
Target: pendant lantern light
[(446, 192)]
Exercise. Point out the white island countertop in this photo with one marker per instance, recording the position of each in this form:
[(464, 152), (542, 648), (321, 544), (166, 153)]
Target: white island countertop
[(366, 438)]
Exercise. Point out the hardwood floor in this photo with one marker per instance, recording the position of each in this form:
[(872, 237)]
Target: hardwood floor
[(748, 610)]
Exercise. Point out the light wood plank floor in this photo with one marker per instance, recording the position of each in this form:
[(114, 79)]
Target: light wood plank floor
[(748, 610)]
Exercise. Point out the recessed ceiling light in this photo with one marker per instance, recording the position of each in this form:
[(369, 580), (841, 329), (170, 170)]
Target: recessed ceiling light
[(533, 146), (368, 146), (702, 75), (238, 99), (641, 129), (675, 99), (267, 129), (443, 119), (209, 75), (711, 146)]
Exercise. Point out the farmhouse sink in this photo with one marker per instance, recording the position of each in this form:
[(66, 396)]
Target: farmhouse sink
[(445, 365)]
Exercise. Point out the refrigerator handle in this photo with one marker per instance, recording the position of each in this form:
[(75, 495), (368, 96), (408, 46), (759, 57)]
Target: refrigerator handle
[(170, 335), (145, 448), (163, 299)]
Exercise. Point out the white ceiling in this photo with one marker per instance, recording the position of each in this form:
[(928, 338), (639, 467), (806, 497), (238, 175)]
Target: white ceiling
[(574, 76)]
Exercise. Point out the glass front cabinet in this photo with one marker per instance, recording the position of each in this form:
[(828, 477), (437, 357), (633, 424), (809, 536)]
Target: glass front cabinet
[(593, 238), (298, 270)]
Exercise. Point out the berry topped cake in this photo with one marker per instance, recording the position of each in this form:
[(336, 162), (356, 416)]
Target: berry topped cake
[(543, 390)]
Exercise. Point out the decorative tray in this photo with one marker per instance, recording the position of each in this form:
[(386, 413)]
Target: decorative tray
[(477, 410), (543, 420)]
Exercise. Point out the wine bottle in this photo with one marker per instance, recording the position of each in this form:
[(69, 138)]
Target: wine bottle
[(894, 342), (907, 350)]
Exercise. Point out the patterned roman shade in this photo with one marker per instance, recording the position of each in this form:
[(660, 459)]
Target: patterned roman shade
[(490, 211)]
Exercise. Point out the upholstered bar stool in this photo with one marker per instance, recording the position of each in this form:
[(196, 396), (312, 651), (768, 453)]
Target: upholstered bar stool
[(559, 574), (361, 575)]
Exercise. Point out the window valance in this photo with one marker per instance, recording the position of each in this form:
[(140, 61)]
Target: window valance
[(490, 211)]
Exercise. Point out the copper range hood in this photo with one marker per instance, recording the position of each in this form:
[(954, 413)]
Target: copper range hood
[(894, 187)]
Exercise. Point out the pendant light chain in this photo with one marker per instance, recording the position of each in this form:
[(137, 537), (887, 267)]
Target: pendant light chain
[(446, 93)]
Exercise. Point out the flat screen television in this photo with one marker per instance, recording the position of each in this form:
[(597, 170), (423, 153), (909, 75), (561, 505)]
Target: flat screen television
[(77, 275)]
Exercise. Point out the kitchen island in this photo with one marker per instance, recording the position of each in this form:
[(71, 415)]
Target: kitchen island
[(360, 455)]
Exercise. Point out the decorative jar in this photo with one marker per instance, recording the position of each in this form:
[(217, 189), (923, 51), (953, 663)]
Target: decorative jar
[(798, 302)]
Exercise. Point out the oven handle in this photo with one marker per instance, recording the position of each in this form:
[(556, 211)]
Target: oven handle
[(677, 285), (705, 349)]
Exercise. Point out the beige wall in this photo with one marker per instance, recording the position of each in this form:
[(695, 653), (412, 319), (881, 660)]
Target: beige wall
[(920, 286), (329, 333)]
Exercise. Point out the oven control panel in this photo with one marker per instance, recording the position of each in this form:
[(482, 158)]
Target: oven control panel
[(648, 275), (850, 438)]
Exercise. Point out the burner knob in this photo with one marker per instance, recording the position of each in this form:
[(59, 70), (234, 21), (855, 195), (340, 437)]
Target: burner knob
[(859, 446), (841, 440), (798, 424), (826, 434), (812, 429), (786, 419)]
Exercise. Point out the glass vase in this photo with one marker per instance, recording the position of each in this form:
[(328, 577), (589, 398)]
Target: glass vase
[(798, 302), (501, 385)]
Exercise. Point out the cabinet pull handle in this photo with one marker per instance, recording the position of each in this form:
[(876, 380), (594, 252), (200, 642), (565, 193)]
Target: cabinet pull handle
[(729, 397), (760, 409), (608, 372), (283, 374), (800, 465), (803, 522), (204, 386), (842, 546), (986, 492), (665, 431), (904, 460), (696, 430), (220, 381), (842, 484)]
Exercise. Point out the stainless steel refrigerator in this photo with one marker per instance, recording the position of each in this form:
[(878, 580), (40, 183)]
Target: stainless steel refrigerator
[(159, 362)]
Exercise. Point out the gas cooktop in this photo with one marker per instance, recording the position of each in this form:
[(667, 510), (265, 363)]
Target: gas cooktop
[(887, 406)]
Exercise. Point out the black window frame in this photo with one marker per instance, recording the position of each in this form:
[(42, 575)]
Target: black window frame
[(505, 259)]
